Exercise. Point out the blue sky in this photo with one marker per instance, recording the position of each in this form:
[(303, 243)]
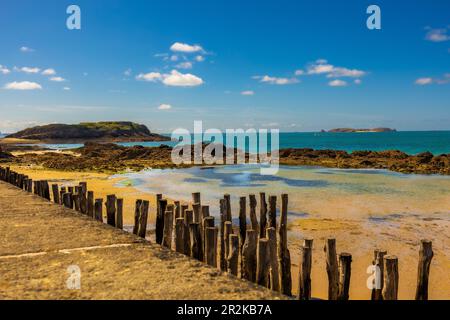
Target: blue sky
[(292, 65)]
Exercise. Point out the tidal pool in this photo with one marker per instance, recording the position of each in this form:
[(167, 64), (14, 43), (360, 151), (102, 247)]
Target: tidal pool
[(313, 191)]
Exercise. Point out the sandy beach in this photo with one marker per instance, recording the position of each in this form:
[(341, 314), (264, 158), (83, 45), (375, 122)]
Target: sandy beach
[(354, 235)]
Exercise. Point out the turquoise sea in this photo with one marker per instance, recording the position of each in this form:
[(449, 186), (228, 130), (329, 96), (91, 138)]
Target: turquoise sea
[(411, 142)]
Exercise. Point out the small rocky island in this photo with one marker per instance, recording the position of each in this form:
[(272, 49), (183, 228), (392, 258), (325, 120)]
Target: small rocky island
[(346, 130), (108, 131)]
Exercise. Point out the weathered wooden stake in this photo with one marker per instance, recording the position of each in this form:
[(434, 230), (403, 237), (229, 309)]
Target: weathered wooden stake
[(196, 198), (271, 235), (332, 269), (67, 199), (137, 216), (378, 262), (196, 241), (168, 227), (55, 191), (304, 272), (390, 290), (211, 246), (111, 210), (227, 199), (222, 250), (242, 220), (423, 271), (208, 222), (98, 208), (253, 219), (119, 215), (143, 219), (90, 204), (228, 231), (345, 271), (233, 255), (159, 225), (284, 256), (179, 232), (262, 273), (249, 259), (273, 212)]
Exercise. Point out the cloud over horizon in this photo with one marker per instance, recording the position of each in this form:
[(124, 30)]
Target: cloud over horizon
[(24, 85)]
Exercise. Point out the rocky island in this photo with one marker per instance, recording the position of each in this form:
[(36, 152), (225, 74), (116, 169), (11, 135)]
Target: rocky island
[(108, 131), (346, 130)]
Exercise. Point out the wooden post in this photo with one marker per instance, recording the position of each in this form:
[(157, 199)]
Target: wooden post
[(168, 227), (111, 210), (378, 262), (66, 200), (119, 215), (345, 270), (30, 186), (196, 208), (159, 225), (211, 246), (242, 220), (227, 199), (233, 255), (137, 216), (61, 193), (177, 209), (228, 231), (76, 201), (143, 219), (196, 198), (188, 219), (390, 289), (222, 254), (98, 208), (179, 231), (271, 235), (304, 272), (90, 204), (262, 273), (284, 256), (184, 207), (249, 259), (273, 212), (208, 222), (55, 193), (423, 270), (332, 269), (196, 241), (253, 219)]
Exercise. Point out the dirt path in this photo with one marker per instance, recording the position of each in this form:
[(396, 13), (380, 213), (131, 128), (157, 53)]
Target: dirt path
[(39, 241)]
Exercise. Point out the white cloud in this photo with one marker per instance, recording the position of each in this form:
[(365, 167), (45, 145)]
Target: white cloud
[(321, 66), (57, 79), (49, 72), (24, 85), (428, 80), (174, 58), (276, 80), (337, 83), (248, 93), (184, 47), (437, 35), (26, 49), (199, 58), (66, 88), (424, 81), (299, 72), (357, 81), (151, 76), (184, 65), (165, 107), (30, 69), (178, 79), (4, 70), (175, 78)]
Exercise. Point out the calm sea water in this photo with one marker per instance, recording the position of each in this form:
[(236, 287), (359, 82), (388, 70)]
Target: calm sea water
[(411, 142)]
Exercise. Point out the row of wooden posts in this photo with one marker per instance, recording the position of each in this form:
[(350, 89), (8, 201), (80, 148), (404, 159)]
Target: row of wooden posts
[(258, 253)]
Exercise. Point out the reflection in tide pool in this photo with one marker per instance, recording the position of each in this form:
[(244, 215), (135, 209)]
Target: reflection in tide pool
[(320, 192)]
